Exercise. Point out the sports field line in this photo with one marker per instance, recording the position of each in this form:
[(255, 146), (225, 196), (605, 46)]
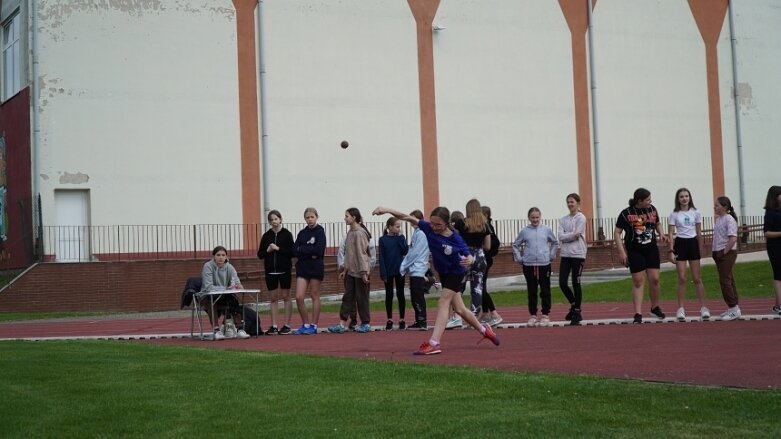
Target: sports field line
[(381, 328)]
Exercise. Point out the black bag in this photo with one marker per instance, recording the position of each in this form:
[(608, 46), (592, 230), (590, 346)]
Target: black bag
[(192, 286), (495, 243), (251, 321)]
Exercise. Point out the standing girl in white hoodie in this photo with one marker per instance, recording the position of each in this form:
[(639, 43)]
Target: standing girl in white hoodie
[(535, 249), (572, 235)]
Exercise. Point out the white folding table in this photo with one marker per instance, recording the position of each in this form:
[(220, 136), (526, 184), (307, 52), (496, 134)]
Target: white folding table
[(239, 293)]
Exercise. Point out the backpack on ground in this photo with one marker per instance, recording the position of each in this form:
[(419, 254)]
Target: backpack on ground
[(251, 321)]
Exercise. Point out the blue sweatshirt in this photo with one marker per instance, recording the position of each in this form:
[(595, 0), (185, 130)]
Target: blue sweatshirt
[(539, 246), (310, 249), (447, 251), (392, 251)]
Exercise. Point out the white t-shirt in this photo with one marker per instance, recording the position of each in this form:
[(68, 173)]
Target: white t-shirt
[(724, 227), (685, 222)]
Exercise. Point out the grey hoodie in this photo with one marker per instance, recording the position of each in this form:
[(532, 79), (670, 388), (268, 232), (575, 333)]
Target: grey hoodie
[(218, 278), (539, 246), (572, 246)]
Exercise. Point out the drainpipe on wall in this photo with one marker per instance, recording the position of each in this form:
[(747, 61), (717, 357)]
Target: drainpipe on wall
[(262, 112), (736, 97), (36, 92), (594, 124)]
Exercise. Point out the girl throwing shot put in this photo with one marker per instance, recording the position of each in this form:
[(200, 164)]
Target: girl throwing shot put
[(451, 260)]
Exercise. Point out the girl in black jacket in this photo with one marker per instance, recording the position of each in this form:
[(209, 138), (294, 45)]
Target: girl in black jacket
[(276, 251)]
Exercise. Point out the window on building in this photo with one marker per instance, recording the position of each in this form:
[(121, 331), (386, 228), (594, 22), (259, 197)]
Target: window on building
[(12, 69)]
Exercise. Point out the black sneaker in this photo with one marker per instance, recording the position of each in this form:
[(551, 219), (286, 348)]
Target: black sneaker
[(568, 317), (576, 317), (417, 326), (352, 325), (389, 325), (402, 325), (638, 318), (658, 313), (285, 330), (272, 330)]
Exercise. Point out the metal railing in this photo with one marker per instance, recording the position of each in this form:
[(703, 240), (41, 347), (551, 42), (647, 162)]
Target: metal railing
[(195, 241), (144, 242)]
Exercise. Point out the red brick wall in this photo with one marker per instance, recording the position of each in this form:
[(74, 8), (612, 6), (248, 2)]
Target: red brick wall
[(122, 286), (157, 285), (17, 250)]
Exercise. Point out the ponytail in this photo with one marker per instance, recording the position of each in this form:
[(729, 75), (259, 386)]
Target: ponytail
[(727, 204), (388, 224), (355, 213), (731, 211), (367, 230), (640, 194)]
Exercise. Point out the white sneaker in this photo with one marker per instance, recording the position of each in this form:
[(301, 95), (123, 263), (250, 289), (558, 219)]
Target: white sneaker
[(242, 334), (495, 320), (532, 321), (705, 313), (230, 330), (732, 314), (681, 314), (218, 335), (544, 321), (454, 322)]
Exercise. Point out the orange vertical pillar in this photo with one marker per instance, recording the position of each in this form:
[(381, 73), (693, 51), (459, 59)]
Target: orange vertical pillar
[(576, 14), (709, 16), (424, 12), (248, 118)]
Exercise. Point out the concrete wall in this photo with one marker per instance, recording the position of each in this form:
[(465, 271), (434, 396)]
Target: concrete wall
[(341, 71), (140, 105), (758, 37), (653, 103)]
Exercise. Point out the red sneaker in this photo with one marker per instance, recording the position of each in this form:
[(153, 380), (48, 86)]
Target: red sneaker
[(427, 349), (490, 335)]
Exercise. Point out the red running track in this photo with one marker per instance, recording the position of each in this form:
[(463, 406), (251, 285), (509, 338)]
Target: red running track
[(742, 353)]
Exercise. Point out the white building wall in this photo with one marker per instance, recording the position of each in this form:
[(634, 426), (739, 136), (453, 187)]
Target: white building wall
[(758, 33), (653, 103), (338, 71), (504, 103), (139, 105)]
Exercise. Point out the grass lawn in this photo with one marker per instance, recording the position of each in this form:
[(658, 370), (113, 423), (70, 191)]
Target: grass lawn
[(753, 279), (113, 389), (116, 388)]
